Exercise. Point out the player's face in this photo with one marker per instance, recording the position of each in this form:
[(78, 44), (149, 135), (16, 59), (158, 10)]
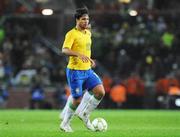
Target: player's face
[(83, 22)]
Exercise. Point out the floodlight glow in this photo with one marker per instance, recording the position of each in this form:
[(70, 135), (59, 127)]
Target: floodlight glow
[(125, 1), (47, 12), (42, 1), (133, 13)]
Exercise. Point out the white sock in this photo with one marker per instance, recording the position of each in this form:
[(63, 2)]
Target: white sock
[(68, 115), (92, 104), (62, 114), (84, 102)]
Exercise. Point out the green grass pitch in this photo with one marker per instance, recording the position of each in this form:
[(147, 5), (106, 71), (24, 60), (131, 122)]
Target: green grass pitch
[(121, 123)]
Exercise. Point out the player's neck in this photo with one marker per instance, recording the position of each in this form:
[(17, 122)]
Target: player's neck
[(81, 29)]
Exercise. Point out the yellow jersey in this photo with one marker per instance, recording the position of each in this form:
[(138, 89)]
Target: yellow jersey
[(81, 43)]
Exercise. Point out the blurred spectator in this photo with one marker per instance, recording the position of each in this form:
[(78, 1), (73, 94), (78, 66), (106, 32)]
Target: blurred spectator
[(7, 45), (173, 96), (42, 76), (37, 97), (135, 91), (168, 39), (25, 75), (8, 69), (2, 70), (123, 63), (162, 86), (166, 88), (3, 96), (161, 25), (173, 90), (107, 82), (2, 34), (60, 97), (118, 95)]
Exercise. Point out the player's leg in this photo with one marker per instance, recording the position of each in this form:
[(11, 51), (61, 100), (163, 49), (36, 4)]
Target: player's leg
[(81, 106), (76, 92), (98, 94), (71, 107), (95, 84), (61, 115), (85, 99)]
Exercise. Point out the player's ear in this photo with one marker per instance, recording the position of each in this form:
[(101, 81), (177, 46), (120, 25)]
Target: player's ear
[(77, 20), (89, 26)]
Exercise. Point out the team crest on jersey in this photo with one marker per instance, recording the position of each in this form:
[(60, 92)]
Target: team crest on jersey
[(77, 90)]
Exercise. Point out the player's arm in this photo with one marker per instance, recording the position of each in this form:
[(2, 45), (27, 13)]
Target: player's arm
[(70, 52), (66, 49), (93, 63)]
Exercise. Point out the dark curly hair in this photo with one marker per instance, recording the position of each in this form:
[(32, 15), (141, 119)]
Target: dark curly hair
[(80, 12)]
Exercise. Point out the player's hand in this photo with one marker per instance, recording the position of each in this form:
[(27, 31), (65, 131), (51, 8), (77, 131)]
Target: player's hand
[(93, 63), (84, 58)]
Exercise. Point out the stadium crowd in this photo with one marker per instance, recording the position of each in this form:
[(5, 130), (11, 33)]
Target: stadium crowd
[(137, 56)]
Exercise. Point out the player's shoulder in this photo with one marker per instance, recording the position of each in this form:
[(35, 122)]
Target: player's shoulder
[(88, 32), (71, 31)]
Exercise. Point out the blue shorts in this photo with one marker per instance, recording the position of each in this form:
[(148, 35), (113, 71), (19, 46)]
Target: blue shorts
[(79, 80)]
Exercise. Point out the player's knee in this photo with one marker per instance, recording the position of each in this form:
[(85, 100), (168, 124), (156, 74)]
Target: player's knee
[(100, 94), (76, 101), (99, 91)]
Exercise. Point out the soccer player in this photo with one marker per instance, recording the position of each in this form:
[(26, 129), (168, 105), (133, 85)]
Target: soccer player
[(80, 76)]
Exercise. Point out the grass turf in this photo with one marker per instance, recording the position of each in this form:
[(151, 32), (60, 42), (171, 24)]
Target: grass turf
[(121, 123)]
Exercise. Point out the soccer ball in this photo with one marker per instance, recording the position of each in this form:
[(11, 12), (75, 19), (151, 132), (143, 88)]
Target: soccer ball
[(100, 124)]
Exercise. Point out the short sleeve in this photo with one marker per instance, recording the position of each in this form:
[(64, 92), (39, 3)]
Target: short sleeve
[(68, 42)]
